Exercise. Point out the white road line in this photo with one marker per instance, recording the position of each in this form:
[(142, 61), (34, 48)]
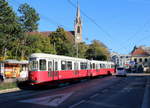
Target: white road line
[(74, 105), (93, 96)]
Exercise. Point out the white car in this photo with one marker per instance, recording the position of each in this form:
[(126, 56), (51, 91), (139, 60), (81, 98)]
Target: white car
[(120, 71)]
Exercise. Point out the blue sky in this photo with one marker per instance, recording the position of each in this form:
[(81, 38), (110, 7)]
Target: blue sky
[(126, 21)]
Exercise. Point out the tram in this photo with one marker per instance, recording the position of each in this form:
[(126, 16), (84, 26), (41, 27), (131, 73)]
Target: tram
[(55, 68)]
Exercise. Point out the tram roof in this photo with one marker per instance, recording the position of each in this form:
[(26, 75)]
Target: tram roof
[(43, 55)]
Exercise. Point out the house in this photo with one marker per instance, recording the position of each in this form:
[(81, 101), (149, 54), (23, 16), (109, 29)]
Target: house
[(141, 56)]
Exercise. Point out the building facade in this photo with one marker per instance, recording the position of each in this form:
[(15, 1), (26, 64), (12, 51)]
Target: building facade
[(141, 56), (121, 60)]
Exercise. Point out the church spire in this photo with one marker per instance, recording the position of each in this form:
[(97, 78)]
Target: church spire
[(78, 10), (78, 26)]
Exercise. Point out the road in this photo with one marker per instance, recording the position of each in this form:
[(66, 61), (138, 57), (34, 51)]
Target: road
[(107, 92)]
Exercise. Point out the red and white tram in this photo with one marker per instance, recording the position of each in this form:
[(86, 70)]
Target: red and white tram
[(54, 68)]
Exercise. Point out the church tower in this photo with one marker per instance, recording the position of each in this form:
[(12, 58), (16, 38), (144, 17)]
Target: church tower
[(78, 27)]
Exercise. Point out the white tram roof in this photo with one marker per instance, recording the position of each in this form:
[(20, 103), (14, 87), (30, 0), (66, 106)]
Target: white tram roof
[(43, 55)]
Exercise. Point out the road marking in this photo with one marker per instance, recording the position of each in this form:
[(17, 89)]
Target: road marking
[(54, 100), (93, 96), (127, 89), (74, 105), (103, 104)]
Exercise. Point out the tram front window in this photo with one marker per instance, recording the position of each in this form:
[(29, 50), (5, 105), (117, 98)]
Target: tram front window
[(33, 65), (43, 65)]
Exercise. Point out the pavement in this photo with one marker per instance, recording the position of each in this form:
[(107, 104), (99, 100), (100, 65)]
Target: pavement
[(9, 90)]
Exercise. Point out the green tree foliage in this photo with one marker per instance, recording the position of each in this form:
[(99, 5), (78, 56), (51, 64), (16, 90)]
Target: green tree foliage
[(9, 28), (83, 47), (29, 18), (34, 44), (97, 51), (60, 42)]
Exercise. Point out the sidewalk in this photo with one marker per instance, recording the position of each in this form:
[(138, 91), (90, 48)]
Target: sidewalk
[(9, 90)]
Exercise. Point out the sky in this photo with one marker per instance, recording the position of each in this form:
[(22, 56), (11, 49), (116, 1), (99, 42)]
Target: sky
[(120, 24)]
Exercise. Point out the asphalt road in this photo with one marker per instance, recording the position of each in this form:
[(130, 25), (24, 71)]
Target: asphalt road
[(108, 92)]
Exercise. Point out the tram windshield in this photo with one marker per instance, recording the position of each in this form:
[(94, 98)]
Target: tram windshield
[(33, 65)]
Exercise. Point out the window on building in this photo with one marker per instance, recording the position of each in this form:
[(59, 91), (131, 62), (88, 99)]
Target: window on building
[(43, 65), (78, 30), (140, 60), (135, 60), (145, 60)]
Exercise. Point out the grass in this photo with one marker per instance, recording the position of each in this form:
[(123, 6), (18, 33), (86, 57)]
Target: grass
[(4, 86)]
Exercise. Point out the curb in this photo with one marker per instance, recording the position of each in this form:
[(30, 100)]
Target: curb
[(9, 90)]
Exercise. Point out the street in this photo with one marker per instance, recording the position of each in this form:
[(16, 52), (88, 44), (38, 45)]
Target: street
[(103, 92)]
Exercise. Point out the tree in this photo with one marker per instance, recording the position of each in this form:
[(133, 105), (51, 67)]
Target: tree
[(60, 42), (97, 51), (9, 28), (82, 49), (34, 44), (29, 18)]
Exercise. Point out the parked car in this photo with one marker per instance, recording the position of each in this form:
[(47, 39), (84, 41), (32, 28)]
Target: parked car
[(121, 71)]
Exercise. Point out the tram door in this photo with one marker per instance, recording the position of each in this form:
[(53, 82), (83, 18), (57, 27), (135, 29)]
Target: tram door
[(52, 70)]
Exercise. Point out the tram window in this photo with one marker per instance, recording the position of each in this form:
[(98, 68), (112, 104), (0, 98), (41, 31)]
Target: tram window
[(69, 65), (83, 65), (104, 65), (63, 65), (101, 66), (56, 66), (42, 64), (86, 65), (112, 66), (33, 65)]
